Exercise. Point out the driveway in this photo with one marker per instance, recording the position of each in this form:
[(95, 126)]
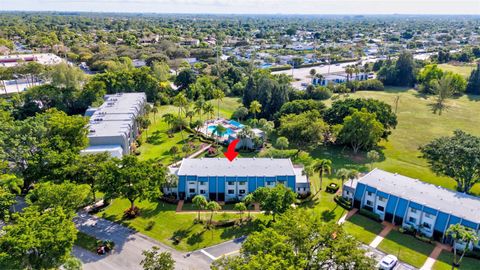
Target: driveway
[(129, 245), (377, 255)]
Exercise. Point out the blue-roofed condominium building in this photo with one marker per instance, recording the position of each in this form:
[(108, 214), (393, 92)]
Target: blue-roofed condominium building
[(408, 202), (221, 180)]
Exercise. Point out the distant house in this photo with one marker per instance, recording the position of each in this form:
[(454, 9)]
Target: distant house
[(113, 126), (408, 202), (221, 180), (190, 42), (339, 78)]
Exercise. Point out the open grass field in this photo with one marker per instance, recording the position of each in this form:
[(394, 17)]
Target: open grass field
[(444, 262), (363, 228), (417, 125), (170, 225), (407, 248), (159, 143), (463, 70)]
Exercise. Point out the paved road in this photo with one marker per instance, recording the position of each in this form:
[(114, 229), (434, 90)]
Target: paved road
[(377, 255), (128, 249)]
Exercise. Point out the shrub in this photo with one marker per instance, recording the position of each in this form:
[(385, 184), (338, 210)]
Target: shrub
[(304, 196), (332, 188), (424, 239), (373, 85), (131, 212), (370, 214), (150, 225), (343, 202)]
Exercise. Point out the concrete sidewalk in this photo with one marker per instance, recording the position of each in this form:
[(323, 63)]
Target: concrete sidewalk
[(386, 230)]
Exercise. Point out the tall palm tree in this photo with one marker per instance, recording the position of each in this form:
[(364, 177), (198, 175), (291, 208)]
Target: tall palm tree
[(209, 110), (218, 95), (220, 130), (255, 107), (343, 174), (349, 71), (322, 167), (181, 102), (169, 119), (198, 106), (154, 111), (190, 114), (353, 175)]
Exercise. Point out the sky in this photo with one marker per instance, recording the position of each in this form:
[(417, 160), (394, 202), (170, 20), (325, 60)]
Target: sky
[(252, 6)]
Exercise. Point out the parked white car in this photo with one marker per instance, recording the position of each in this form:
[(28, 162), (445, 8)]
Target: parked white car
[(388, 262)]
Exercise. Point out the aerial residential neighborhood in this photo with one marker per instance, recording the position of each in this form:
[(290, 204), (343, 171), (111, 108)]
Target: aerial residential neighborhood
[(228, 135)]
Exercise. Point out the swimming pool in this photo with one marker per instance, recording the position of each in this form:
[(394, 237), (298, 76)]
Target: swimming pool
[(210, 129), (235, 123)]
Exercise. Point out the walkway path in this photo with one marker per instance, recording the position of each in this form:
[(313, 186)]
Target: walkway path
[(179, 206), (203, 149), (347, 216), (432, 258), (386, 230)]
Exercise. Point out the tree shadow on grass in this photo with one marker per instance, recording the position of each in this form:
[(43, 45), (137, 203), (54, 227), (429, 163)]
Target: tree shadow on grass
[(155, 138), (180, 234), (329, 215), (195, 238), (239, 231), (161, 207)]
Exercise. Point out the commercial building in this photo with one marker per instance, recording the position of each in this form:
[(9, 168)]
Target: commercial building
[(113, 126), (221, 180), (408, 202)]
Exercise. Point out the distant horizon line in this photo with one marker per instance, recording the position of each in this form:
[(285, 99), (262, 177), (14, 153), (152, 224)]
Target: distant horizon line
[(262, 14)]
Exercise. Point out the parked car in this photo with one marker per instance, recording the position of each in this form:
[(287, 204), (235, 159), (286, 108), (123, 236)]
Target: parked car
[(388, 262)]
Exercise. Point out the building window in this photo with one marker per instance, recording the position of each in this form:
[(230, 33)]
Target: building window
[(382, 199), (241, 191), (427, 215), (369, 203), (203, 183), (202, 191), (231, 191), (427, 225), (191, 183), (347, 192), (231, 183), (412, 220), (192, 190), (369, 193), (270, 183), (242, 183), (413, 210), (380, 208)]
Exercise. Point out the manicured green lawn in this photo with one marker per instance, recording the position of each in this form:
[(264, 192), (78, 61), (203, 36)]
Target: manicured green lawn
[(169, 225), (417, 125), (444, 262), (86, 242), (363, 228), (159, 144), (463, 70), (407, 248)]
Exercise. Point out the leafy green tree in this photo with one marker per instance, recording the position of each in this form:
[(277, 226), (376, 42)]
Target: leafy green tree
[(248, 201), (461, 235), (405, 68), (274, 200), (343, 174), (322, 167), (200, 203), (213, 207), (240, 113), (298, 240), (473, 85), (361, 130), (282, 143), (66, 76), (134, 179), (443, 89), (11, 182), (37, 239), (7, 199), (69, 196), (185, 78), (427, 76), (161, 71), (72, 263), (304, 131), (457, 157), (155, 260), (240, 207)]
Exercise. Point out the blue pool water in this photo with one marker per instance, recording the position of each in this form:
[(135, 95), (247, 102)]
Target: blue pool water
[(211, 128), (235, 123)]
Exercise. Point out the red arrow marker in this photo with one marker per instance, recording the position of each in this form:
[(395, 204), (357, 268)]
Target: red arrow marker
[(231, 154)]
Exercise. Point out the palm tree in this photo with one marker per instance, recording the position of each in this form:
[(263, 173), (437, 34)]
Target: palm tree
[(218, 95), (255, 107), (213, 206), (240, 207), (209, 110), (199, 106), (244, 134), (154, 111), (343, 174), (322, 166), (200, 202), (220, 131), (190, 114), (353, 175), (181, 102), (461, 235), (169, 119), (349, 71), (248, 200)]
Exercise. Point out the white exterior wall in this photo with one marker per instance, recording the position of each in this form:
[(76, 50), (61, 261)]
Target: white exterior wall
[(379, 202), (370, 198), (413, 213), (430, 220)]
